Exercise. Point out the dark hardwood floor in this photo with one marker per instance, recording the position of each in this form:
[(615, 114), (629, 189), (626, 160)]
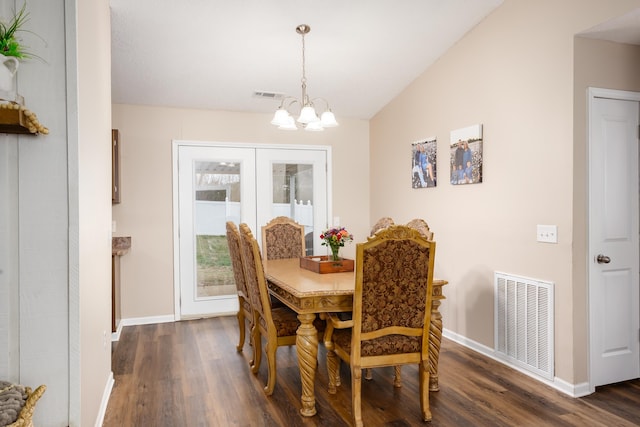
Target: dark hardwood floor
[(189, 374)]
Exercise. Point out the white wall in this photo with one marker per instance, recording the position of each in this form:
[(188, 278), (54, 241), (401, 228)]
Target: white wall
[(36, 221), (55, 216)]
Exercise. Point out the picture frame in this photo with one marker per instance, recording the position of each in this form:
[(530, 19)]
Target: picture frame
[(424, 154), (466, 160)]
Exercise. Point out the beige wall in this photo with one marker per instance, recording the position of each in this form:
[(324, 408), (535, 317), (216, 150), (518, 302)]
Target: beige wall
[(513, 74), (94, 213), (145, 212), (599, 64)]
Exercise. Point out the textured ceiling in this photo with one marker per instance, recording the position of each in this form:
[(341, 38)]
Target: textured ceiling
[(215, 54), (360, 54)]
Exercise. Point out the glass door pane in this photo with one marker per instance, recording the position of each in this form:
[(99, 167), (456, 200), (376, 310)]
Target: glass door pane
[(296, 187), (217, 200), (215, 185)]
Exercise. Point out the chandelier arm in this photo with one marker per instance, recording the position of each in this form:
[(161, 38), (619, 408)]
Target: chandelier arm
[(326, 103), (291, 101)]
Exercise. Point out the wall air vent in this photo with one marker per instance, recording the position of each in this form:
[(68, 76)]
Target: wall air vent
[(524, 323)]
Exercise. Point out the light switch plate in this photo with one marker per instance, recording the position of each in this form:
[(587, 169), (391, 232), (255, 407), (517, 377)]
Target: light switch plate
[(547, 233)]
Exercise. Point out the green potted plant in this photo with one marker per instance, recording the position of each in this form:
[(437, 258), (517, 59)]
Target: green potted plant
[(9, 43), (11, 48), (11, 52)]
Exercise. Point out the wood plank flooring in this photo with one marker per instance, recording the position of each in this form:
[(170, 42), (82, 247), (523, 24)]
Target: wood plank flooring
[(189, 374)]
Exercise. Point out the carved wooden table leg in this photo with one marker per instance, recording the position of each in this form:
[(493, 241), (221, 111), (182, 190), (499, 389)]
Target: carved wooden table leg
[(435, 334), (307, 348)]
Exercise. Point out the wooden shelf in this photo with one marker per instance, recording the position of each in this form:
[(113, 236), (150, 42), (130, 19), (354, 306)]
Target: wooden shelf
[(13, 121), (19, 120)]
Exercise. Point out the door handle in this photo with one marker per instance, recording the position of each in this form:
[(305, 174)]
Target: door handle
[(603, 259)]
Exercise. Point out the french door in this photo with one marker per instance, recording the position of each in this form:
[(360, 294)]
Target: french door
[(216, 183)]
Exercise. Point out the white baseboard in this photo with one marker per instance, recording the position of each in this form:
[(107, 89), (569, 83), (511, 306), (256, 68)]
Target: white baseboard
[(572, 390), (105, 400), (148, 320), (115, 336), (133, 321)]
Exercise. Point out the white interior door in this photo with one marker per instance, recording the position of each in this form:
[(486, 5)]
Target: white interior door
[(614, 314), (215, 183), (294, 185)]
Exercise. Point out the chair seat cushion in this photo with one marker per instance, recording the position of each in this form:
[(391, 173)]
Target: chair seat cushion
[(390, 344), (287, 323)]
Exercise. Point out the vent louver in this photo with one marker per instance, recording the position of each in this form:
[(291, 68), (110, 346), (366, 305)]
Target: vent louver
[(524, 323), (269, 95)]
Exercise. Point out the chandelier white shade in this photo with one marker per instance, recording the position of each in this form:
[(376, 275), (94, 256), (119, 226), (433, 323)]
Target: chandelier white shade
[(308, 117)]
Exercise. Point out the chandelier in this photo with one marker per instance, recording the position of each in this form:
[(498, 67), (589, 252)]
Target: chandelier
[(308, 117)]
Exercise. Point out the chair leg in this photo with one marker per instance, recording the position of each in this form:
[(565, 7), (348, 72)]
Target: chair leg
[(368, 374), (333, 368), (397, 380), (356, 395), (241, 325), (253, 347), (257, 348), (270, 350), (423, 369)]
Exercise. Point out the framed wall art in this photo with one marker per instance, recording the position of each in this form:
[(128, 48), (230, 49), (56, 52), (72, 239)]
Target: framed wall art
[(423, 163), (466, 155)]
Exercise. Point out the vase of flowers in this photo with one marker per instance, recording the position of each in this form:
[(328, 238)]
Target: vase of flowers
[(335, 238)]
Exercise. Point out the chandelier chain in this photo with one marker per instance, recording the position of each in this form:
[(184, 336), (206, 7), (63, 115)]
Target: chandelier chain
[(304, 75)]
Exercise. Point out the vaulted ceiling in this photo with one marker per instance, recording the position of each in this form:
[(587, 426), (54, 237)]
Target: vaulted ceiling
[(215, 54)]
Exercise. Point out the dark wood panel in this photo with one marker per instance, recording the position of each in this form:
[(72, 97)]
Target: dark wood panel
[(189, 374)]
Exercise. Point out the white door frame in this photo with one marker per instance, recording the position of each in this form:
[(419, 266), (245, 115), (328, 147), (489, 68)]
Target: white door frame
[(592, 94), (176, 205)]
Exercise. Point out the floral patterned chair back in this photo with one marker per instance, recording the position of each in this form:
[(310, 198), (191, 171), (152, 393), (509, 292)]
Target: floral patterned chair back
[(254, 274), (282, 237), (278, 325), (245, 311), (391, 311), (383, 222), (422, 227)]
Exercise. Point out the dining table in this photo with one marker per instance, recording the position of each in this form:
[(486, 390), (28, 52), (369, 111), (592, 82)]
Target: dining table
[(310, 294)]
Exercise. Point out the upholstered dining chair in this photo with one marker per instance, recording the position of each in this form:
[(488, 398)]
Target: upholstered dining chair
[(422, 227), (391, 312), (383, 222), (245, 313), (282, 237), (278, 324)]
